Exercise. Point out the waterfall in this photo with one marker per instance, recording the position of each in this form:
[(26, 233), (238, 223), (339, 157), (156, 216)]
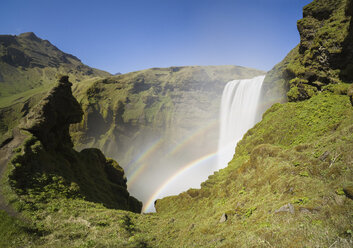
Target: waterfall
[(238, 114)]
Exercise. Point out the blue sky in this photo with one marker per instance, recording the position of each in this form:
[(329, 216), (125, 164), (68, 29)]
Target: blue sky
[(124, 36)]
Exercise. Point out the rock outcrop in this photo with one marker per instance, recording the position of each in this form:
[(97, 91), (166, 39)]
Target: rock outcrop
[(50, 120), (323, 59), (46, 164)]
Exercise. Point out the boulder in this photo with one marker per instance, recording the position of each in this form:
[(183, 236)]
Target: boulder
[(224, 218)]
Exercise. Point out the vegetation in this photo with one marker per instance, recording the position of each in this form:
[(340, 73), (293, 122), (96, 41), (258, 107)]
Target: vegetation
[(290, 182), (158, 103), (28, 62), (300, 153), (323, 56)]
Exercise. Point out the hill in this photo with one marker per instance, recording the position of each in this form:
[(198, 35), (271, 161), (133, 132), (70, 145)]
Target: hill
[(169, 113), (127, 114), (290, 183), (28, 69), (28, 62), (45, 173)]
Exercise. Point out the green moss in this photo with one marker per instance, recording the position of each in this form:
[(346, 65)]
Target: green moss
[(301, 201), (250, 211), (322, 56), (304, 174), (340, 191), (15, 233), (293, 93)]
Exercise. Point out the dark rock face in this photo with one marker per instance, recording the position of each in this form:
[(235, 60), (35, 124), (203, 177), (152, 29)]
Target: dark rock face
[(16, 57), (320, 10), (323, 57), (50, 162), (51, 118)]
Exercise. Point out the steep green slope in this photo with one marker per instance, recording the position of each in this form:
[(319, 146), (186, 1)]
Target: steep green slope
[(28, 67), (155, 120), (45, 172), (299, 154), (28, 62), (323, 57), (290, 181), (46, 176)]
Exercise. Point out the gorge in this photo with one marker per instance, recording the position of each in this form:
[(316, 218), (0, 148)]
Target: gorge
[(81, 149)]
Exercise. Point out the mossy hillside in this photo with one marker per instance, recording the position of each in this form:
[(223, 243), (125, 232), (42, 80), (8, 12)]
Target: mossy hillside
[(28, 62), (11, 115), (76, 223), (38, 176), (323, 56), (313, 173), (158, 103), (300, 153), (51, 186), (15, 233), (28, 68), (46, 167)]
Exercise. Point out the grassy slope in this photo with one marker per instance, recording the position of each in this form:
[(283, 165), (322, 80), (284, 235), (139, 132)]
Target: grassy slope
[(310, 166), (28, 65), (300, 153), (281, 160), (28, 62), (45, 177)]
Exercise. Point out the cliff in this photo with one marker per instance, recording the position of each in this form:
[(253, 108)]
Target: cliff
[(45, 168), (323, 59)]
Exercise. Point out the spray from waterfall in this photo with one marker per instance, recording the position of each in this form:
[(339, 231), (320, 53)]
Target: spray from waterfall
[(238, 114)]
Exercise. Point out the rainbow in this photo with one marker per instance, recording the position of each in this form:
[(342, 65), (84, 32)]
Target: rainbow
[(192, 137), (187, 167), (133, 173), (145, 154)]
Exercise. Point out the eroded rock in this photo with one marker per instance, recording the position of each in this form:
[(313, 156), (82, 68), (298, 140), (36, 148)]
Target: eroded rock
[(223, 218), (286, 208), (49, 121)]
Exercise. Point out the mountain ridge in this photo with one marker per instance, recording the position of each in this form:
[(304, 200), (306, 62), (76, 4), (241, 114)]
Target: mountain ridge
[(28, 62)]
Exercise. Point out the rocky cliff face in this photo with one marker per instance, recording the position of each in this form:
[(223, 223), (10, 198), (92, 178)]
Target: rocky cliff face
[(159, 103), (158, 119), (49, 121), (323, 59), (28, 69), (47, 168)]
